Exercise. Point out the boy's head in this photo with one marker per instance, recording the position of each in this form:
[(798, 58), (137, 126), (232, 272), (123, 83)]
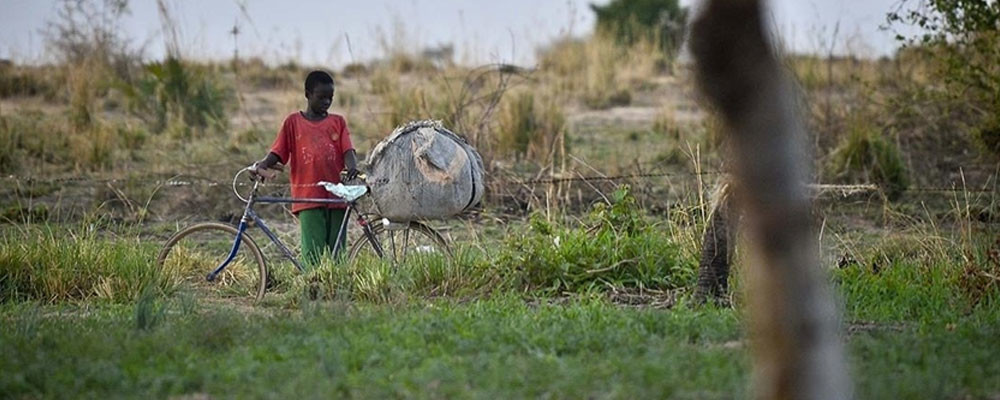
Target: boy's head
[(319, 91)]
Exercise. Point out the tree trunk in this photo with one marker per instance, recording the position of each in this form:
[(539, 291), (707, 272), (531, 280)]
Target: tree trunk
[(797, 352)]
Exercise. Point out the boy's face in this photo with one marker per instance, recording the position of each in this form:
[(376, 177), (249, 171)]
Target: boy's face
[(320, 98)]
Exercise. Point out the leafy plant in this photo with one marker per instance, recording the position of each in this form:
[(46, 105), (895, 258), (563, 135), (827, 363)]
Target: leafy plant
[(964, 38), (619, 250)]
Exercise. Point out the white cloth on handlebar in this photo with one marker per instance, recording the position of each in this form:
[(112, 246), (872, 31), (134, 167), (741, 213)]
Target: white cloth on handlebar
[(346, 192)]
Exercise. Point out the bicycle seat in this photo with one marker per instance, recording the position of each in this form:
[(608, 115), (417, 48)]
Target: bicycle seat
[(346, 192)]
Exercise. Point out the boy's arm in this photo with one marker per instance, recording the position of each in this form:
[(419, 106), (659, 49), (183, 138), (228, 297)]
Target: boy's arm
[(267, 166), (350, 164), (269, 161)]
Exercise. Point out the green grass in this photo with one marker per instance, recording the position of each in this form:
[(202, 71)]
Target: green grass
[(501, 347), (512, 317), (54, 265)]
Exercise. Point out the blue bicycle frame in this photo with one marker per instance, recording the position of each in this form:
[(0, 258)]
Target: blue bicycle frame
[(249, 215)]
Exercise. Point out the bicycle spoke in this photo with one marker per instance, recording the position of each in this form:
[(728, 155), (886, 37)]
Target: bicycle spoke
[(392, 241), (400, 242)]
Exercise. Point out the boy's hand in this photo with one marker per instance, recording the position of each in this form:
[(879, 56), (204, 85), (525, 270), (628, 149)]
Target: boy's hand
[(350, 174), (258, 171)]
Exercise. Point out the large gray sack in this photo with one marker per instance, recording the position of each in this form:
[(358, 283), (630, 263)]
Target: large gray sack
[(424, 171)]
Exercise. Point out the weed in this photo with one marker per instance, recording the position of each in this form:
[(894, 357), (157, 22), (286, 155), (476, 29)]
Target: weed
[(980, 276), (599, 71), (354, 69), (602, 89), (32, 137)]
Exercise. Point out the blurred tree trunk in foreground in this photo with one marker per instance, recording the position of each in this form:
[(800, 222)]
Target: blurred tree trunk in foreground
[(797, 352)]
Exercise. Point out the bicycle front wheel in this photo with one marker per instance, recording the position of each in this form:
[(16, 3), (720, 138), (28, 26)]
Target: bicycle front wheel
[(399, 241), (192, 253)]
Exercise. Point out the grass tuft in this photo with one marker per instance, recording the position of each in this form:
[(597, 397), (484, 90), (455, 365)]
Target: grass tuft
[(53, 265)]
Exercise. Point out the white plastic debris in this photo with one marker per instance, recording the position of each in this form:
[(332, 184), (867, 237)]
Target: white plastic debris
[(346, 192)]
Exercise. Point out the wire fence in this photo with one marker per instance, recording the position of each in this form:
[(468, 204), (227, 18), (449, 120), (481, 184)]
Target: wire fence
[(181, 180)]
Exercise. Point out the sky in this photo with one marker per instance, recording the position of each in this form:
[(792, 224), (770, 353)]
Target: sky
[(336, 32)]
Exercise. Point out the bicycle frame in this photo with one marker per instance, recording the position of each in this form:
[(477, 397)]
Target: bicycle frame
[(249, 215)]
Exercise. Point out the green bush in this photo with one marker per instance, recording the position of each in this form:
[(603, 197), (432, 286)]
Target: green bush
[(177, 96), (988, 134), (866, 155), (616, 250), (964, 38), (620, 250), (468, 274)]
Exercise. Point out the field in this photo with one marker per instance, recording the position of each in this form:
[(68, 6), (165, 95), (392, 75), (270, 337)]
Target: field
[(573, 279)]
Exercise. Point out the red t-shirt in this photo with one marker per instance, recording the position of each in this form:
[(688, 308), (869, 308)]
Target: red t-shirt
[(314, 152)]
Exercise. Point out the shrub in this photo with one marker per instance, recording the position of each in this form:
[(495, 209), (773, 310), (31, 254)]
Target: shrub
[(866, 154), (174, 93), (31, 137), (964, 37), (620, 250), (25, 81), (988, 134)]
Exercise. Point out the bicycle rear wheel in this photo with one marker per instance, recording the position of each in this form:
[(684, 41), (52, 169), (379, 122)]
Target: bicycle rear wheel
[(192, 253), (400, 241)]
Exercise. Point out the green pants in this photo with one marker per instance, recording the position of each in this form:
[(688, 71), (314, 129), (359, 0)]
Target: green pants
[(319, 233)]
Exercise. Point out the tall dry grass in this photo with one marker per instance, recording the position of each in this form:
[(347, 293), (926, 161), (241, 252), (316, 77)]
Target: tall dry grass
[(599, 72)]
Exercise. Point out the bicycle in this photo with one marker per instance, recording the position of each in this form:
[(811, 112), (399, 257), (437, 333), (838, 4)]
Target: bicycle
[(243, 271)]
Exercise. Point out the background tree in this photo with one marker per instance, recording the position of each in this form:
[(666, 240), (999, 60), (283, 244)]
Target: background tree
[(964, 38), (631, 21)]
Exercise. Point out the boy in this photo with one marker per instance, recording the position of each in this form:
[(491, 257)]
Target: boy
[(317, 147)]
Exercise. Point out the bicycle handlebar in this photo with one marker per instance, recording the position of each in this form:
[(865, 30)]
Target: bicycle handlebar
[(258, 180)]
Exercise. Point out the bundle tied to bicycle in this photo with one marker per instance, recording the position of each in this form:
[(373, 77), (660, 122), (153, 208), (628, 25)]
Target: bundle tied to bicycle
[(424, 171)]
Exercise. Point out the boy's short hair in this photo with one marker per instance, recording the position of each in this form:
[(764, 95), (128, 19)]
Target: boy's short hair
[(317, 78)]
